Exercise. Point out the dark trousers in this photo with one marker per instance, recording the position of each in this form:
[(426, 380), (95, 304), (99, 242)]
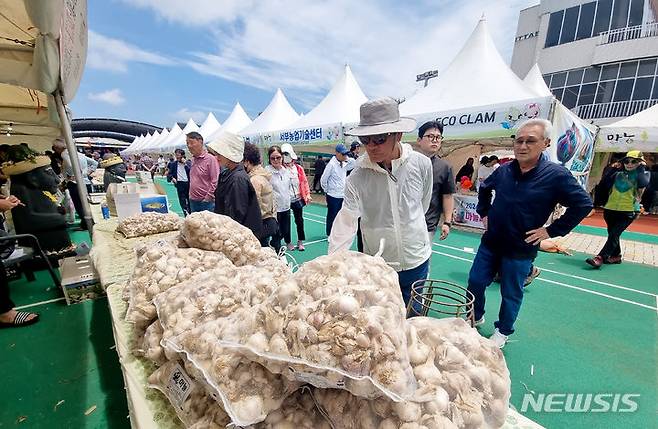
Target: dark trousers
[(270, 231), (333, 207), (77, 201), (298, 212), (283, 219), (183, 190), (407, 278), (513, 274), (617, 223), (6, 303), (316, 183)]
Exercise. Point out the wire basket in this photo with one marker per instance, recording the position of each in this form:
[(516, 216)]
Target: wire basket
[(431, 297)]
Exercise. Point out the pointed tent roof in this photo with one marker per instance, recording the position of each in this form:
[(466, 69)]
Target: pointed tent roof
[(645, 118), (340, 105), (276, 116), (477, 76), (169, 144), (209, 126), (535, 81), (643, 126), (146, 143), (235, 122), (190, 126), (154, 143)]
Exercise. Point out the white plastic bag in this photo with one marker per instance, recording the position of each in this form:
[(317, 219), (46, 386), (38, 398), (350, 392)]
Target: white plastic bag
[(148, 223)]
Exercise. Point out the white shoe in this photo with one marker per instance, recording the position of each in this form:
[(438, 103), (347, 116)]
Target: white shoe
[(479, 322), (498, 338)]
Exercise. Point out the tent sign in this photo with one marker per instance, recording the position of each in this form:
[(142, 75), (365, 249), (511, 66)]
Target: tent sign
[(496, 121), (317, 135)]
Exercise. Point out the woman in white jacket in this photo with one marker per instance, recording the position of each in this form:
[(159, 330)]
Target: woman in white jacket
[(281, 188)]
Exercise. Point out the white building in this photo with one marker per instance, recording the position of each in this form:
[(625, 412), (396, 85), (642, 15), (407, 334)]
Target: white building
[(597, 57)]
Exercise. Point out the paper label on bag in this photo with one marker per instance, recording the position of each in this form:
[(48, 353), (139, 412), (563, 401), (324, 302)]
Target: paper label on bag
[(316, 380), (179, 386)]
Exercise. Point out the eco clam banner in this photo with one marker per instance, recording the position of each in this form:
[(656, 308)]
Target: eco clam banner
[(485, 122)]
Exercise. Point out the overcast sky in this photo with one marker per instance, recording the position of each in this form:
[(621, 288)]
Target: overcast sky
[(160, 61)]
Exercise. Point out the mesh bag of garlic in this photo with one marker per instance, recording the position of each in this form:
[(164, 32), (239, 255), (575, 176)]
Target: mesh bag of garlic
[(151, 347), (338, 324), (148, 223), (188, 397), (247, 391), (219, 233), (463, 382), (161, 267)]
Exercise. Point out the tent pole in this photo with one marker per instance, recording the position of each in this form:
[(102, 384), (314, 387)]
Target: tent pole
[(75, 163)]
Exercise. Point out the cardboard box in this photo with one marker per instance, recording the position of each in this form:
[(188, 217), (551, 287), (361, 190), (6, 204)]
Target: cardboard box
[(80, 281), (127, 199)]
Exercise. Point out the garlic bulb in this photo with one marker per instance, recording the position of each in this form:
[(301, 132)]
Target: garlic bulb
[(148, 223)]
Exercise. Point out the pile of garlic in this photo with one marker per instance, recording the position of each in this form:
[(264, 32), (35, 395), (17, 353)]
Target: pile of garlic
[(148, 223), (198, 406), (338, 323), (219, 233), (463, 382), (163, 266)]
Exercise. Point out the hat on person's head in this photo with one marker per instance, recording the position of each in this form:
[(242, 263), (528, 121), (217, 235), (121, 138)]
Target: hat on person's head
[(634, 154), (341, 149), (381, 116), (228, 145), (287, 148), (110, 159)]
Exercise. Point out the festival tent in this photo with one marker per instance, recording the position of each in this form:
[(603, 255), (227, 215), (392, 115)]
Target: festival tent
[(177, 141), (236, 121), (636, 132), (324, 124), (43, 48), (477, 97), (134, 143), (168, 145), (276, 116), (536, 83), (209, 126), (154, 143), (134, 146), (147, 143)]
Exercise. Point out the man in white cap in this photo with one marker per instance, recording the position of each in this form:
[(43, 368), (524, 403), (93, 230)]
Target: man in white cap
[(235, 196), (390, 190)]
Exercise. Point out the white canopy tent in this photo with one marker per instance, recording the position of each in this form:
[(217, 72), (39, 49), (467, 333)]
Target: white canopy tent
[(154, 143), (535, 82), (236, 121), (136, 144), (147, 143), (324, 123), (209, 126), (44, 48), (636, 132), (477, 96), (175, 136), (276, 116)]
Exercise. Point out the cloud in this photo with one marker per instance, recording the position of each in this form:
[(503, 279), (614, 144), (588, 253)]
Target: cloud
[(301, 46), (184, 114), (112, 96), (106, 53)]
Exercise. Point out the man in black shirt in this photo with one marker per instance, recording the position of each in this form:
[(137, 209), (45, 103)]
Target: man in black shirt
[(319, 166)]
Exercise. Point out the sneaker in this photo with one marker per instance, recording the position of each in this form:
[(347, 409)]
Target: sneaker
[(291, 247), (498, 339), (596, 261), (300, 246), (612, 260), (533, 275), (479, 322)]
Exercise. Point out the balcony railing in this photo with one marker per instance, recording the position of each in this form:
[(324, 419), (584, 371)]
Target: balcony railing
[(613, 110), (628, 33)]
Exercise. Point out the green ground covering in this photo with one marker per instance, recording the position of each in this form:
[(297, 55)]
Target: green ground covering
[(579, 331)]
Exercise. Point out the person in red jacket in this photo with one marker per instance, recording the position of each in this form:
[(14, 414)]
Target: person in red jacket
[(300, 192)]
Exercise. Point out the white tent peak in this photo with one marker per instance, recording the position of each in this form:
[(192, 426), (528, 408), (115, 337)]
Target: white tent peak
[(175, 138), (209, 126), (190, 126), (477, 76), (276, 116), (340, 105), (535, 81), (237, 120)]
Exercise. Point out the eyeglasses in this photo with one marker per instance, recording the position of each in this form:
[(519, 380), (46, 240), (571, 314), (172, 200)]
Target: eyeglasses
[(527, 142), (631, 161), (378, 140), (433, 137)]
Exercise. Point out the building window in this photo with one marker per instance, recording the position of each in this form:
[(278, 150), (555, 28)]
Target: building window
[(647, 68), (642, 90), (569, 25), (591, 74), (554, 27), (603, 12), (623, 90), (587, 93), (654, 94), (558, 79), (609, 71), (586, 20), (604, 92), (575, 77), (619, 14), (636, 14), (570, 97)]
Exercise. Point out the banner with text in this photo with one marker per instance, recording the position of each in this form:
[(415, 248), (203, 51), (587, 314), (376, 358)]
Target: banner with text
[(477, 123), (320, 135), (465, 213)]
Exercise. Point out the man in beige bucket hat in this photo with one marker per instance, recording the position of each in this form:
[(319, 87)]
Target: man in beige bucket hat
[(390, 190), (235, 196)]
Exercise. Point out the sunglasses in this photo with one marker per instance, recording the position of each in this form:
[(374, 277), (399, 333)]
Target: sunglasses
[(378, 140), (631, 161)]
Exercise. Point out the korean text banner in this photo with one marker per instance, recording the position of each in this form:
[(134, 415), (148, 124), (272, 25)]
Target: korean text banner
[(324, 134), (485, 122), (623, 139), (465, 213)]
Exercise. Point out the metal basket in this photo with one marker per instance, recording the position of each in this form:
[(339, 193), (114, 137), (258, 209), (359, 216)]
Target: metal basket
[(442, 297)]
